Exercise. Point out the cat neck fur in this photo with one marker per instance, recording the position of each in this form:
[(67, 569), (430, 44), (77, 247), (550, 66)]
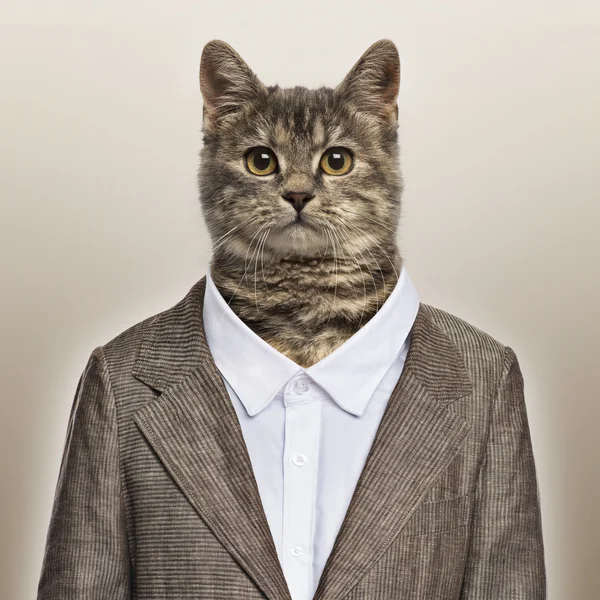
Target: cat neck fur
[(306, 307)]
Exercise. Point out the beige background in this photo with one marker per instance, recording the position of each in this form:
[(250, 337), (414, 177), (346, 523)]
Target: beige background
[(100, 225)]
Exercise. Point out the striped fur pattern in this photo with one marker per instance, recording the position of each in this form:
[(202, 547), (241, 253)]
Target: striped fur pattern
[(307, 285), (156, 497)]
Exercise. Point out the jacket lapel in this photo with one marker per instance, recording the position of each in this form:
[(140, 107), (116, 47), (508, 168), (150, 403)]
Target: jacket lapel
[(194, 429), (417, 438)]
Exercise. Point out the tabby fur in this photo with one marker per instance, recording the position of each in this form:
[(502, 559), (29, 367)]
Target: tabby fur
[(304, 287)]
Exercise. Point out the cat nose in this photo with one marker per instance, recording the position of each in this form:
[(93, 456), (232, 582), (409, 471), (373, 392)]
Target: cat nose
[(298, 199)]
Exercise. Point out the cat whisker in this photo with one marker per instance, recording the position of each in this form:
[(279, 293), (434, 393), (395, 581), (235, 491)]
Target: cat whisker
[(365, 262), (360, 231), (389, 260), (255, 249), (379, 246), (223, 241), (329, 236), (326, 247), (263, 237), (246, 263), (358, 264), (216, 242), (332, 231), (262, 266), (370, 219)]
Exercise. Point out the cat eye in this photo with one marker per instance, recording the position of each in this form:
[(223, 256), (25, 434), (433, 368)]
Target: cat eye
[(336, 161), (261, 161)]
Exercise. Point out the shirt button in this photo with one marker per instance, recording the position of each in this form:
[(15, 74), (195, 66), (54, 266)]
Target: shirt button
[(299, 460), (296, 551), (301, 386)]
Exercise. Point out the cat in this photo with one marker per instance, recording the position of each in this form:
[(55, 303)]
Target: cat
[(300, 191)]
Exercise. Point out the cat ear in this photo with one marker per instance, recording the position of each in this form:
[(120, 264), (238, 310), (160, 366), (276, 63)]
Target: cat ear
[(226, 83), (373, 83)]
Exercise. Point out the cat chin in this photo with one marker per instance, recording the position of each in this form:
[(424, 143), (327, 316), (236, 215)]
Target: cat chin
[(285, 242), (303, 241)]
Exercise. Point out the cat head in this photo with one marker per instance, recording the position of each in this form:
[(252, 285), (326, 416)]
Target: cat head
[(298, 172)]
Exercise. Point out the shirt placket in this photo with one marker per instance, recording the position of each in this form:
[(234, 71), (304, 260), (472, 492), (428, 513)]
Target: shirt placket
[(300, 461)]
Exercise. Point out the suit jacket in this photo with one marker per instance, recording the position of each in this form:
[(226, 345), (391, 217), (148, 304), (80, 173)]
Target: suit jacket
[(156, 497)]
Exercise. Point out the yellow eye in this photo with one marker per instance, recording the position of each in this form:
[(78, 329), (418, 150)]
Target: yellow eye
[(261, 161), (336, 161)]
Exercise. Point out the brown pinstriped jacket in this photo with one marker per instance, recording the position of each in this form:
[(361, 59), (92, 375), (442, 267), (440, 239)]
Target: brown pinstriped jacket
[(156, 497)]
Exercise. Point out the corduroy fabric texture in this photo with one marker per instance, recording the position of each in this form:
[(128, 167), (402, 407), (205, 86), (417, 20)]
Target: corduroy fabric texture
[(156, 498)]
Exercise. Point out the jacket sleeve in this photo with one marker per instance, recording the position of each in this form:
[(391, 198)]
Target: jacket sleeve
[(86, 553), (505, 559)]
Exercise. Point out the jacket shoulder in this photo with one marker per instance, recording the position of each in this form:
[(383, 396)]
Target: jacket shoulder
[(160, 348), (484, 356), (121, 351)]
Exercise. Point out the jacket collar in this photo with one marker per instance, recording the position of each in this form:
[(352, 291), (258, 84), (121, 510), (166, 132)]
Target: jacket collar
[(350, 374), (417, 438)]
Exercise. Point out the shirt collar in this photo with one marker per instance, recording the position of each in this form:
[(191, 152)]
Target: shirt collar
[(350, 374)]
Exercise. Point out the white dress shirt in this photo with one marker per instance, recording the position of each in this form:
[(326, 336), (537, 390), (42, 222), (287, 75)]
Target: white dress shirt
[(309, 431)]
